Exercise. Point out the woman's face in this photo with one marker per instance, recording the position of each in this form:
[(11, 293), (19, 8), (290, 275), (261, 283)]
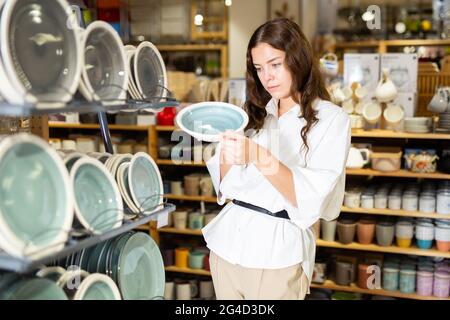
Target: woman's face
[(272, 71)]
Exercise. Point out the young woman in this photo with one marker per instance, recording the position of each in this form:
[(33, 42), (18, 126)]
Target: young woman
[(282, 177)]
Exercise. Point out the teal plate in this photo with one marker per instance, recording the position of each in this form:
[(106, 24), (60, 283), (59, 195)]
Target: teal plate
[(144, 180), (141, 269)]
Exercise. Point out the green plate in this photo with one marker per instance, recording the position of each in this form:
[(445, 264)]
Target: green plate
[(145, 182), (36, 289), (97, 287), (98, 204), (141, 269), (36, 208)]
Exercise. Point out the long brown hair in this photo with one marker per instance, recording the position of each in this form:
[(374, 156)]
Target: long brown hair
[(284, 34)]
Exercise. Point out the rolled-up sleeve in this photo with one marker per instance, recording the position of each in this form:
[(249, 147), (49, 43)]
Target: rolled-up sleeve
[(320, 185)]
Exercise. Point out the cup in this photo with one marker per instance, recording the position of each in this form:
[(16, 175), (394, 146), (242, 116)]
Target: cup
[(184, 290), (180, 219), (385, 232), (441, 285), (328, 229), (346, 231), (365, 231), (181, 257), (192, 185), (345, 273), (168, 257), (407, 281), (393, 114), (196, 259), (372, 112), (363, 275), (206, 186), (169, 290), (390, 278), (176, 188), (439, 102), (206, 289), (424, 283), (196, 220), (367, 201)]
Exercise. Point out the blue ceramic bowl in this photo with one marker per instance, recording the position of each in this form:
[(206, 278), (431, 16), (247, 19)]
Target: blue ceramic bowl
[(424, 244), (205, 121)]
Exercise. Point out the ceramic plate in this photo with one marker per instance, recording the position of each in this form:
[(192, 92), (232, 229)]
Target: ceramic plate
[(98, 204), (145, 183), (105, 68), (122, 180), (141, 269), (34, 289), (97, 287), (150, 72), (206, 120), (36, 205), (40, 50)]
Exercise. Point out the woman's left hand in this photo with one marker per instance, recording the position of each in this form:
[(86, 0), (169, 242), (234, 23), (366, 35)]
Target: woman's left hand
[(237, 148)]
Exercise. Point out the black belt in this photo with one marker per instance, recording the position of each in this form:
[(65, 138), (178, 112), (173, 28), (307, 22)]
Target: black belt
[(280, 214)]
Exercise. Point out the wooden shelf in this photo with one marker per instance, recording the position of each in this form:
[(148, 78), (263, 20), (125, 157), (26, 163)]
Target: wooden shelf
[(168, 162), (398, 135), (166, 128), (353, 288), (375, 248), (398, 213), (400, 174), (393, 43), (63, 125), (181, 231), (190, 198), (192, 47), (188, 270)]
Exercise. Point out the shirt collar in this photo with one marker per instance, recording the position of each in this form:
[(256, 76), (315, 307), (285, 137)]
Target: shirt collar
[(272, 108)]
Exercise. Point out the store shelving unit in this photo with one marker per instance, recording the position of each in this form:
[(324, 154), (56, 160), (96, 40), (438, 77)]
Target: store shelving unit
[(361, 134), (198, 272), (74, 244)]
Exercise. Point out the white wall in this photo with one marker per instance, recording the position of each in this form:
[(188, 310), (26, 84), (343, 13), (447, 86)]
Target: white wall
[(245, 16)]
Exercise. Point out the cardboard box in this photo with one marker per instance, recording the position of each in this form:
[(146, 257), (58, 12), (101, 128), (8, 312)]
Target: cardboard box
[(237, 91), (409, 103), (403, 70), (363, 68)]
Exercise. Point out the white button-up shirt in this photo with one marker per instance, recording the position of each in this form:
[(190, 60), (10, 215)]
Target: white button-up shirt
[(256, 240)]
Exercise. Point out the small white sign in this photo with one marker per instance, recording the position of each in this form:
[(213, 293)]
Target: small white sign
[(403, 70), (363, 68)]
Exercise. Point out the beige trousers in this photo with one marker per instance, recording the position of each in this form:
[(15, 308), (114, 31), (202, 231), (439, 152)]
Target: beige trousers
[(233, 282)]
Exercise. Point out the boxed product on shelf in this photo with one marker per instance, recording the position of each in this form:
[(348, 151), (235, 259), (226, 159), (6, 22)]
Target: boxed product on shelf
[(408, 101), (237, 91), (363, 68), (403, 70)]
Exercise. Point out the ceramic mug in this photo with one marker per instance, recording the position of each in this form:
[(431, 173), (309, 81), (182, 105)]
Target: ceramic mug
[(206, 186), (181, 257), (180, 219), (206, 290), (393, 114), (328, 230), (176, 187), (169, 290), (192, 185), (372, 112), (386, 90), (439, 102), (345, 273)]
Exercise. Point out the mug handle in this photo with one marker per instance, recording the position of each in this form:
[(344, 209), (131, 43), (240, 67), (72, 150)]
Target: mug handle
[(366, 153), (194, 289)]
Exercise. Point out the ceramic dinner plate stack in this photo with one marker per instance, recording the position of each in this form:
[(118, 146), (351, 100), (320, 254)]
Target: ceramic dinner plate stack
[(139, 181), (132, 260), (148, 75), (40, 60), (418, 124), (444, 121)]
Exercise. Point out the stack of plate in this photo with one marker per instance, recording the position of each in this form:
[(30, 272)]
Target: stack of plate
[(139, 181), (40, 52), (444, 120), (132, 260), (418, 124), (148, 75)]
